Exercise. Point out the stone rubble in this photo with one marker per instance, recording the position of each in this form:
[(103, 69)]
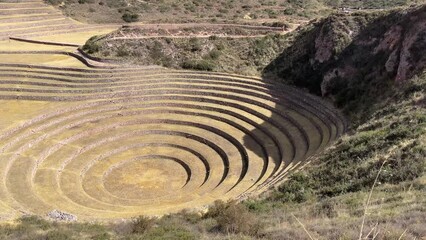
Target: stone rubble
[(61, 216)]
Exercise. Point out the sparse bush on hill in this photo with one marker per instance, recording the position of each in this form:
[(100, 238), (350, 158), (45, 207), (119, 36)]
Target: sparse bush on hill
[(213, 54), (202, 65), (130, 17), (92, 45), (53, 2), (86, 1), (297, 189), (142, 224), (234, 218), (33, 227), (219, 11), (394, 133)]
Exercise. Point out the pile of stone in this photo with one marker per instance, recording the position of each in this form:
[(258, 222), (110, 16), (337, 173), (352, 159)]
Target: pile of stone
[(61, 216)]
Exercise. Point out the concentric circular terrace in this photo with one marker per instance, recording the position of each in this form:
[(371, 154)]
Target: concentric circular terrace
[(152, 141), (115, 142)]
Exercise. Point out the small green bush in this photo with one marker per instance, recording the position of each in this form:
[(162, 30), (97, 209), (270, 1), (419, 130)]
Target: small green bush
[(257, 205), (91, 47), (195, 45), (214, 54), (296, 189), (130, 17), (122, 51), (232, 217), (86, 1), (53, 2), (202, 65)]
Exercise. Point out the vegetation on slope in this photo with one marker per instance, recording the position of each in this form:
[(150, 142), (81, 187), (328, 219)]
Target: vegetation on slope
[(112, 11), (237, 55), (107, 11), (394, 135), (103, 11), (390, 146)]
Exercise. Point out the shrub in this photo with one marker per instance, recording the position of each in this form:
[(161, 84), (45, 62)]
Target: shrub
[(326, 208), (296, 189), (232, 217), (86, 1), (290, 11), (216, 209), (91, 47), (220, 46), (142, 224), (53, 2), (284, 25), (257, 205), (122, 51), (189, 216), (58, 235), (203, 65), (195, 45), (34, 221), (213, 38), (130, 17), (214, 54)]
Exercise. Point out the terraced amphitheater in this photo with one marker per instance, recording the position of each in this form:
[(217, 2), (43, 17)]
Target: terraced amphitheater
[(103, 141)]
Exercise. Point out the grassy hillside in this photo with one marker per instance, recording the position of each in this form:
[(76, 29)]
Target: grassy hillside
[(372, 4), (107, 11), (188, 11), (237, 55)]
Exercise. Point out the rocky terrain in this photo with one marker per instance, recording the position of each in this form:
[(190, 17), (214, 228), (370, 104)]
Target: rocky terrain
[(355, 59)]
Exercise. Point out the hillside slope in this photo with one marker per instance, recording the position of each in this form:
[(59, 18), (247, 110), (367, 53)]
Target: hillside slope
[(355, 59), (249, 11)]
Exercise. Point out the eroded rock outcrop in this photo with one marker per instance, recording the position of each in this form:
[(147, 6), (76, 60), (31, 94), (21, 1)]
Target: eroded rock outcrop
[(346, 56)]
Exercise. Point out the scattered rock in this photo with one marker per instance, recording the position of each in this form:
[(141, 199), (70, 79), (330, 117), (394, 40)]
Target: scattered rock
[(61, 216)]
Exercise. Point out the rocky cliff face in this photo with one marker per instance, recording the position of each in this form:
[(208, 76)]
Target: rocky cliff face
[(398, 51), (346, 57)]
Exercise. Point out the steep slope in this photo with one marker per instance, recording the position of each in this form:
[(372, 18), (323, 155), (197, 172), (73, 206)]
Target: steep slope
[(355, 59)]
